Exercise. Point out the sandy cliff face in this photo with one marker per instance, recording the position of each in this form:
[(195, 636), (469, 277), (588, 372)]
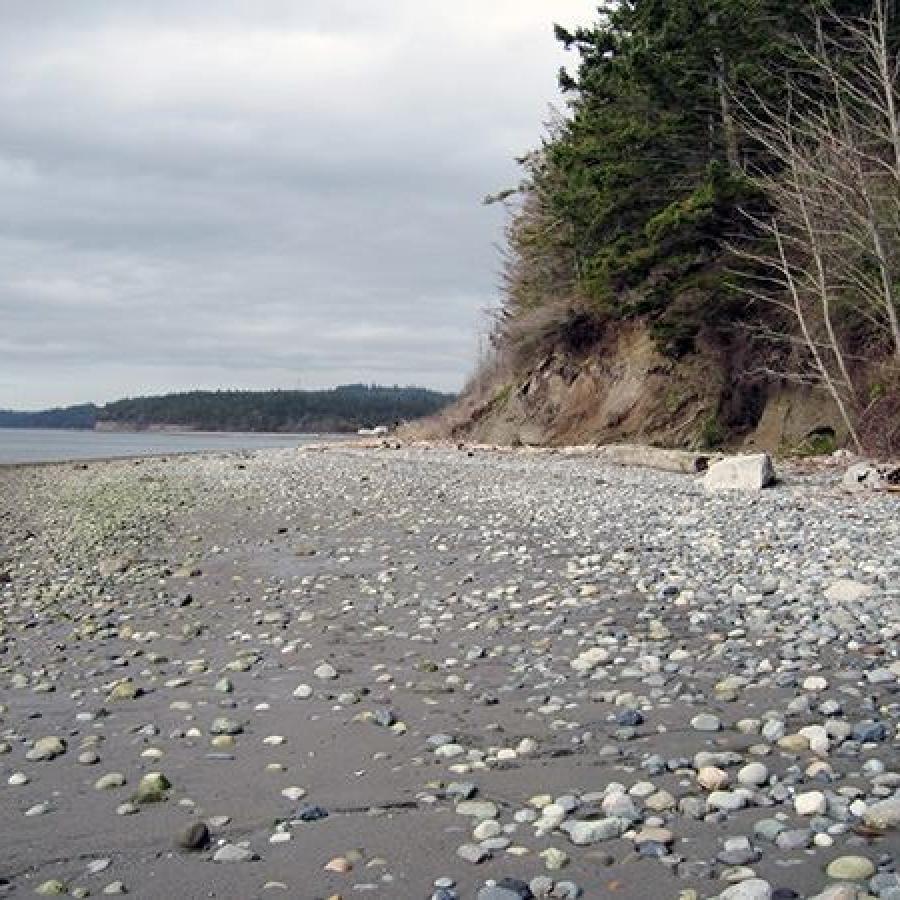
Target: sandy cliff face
[(627, 390)]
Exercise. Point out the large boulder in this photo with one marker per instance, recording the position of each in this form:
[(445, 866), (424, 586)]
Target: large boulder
[(741, 473)]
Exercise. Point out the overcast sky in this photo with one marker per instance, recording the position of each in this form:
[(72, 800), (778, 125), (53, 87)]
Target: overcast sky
[(257, 193)]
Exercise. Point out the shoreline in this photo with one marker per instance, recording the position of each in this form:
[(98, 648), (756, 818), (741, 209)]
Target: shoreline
[(628, 456), (157, 454)]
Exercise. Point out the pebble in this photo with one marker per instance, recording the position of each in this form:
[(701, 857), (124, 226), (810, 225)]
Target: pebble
[(110, 781), (850, 868), (194, 837), (750, 889), (706, 722), (232, 853), (811, 803), (472, 853), (46, 748)]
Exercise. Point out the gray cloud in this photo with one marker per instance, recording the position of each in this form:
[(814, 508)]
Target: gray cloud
[(257, 195)]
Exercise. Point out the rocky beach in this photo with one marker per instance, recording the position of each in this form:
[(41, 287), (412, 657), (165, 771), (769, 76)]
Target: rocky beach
[(412, 672)]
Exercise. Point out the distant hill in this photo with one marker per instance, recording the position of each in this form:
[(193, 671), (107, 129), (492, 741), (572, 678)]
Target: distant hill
[(83, 416), (345, 408)]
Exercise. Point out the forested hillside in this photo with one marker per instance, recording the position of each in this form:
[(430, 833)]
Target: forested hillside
[(345, 408), (709, 230), (82, 416)]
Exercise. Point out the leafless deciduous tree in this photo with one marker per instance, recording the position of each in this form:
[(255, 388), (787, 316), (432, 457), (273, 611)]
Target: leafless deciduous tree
[(829, 252)]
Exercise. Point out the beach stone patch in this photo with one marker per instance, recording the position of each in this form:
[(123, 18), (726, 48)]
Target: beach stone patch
[(540, 675)]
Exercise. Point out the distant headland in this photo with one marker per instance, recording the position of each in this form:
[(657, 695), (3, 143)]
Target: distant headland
[(340, 409)]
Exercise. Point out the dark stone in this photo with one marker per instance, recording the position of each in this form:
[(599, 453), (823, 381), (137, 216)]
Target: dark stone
[(630, 718), (194, 837), (385, 717), (739, 856), (506, 889), (866, 732), (311, 813)]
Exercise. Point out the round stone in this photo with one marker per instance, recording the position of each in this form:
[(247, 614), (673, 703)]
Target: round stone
[(751, 889), (753, 775), (850, 868), (712, 778), (152, 788)]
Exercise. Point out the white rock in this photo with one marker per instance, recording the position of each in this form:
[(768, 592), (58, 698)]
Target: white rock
[(730, 801), (486, 829), (477, 809), (589, 659), (818, 739), (753, 775), (584, 833), (751, 889), (812, 803), (885, 814), (740, 473), (847, 591)]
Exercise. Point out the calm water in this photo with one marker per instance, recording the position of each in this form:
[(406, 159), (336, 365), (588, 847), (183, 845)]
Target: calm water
[(18, 445)]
